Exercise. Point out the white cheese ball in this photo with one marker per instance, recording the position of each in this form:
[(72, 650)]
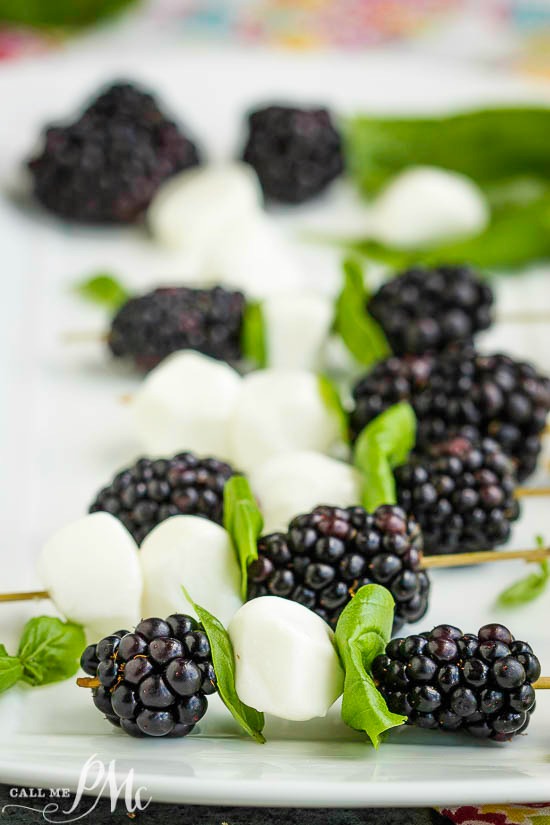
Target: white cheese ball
[(91, 570), (252, 255), (297, 327), (424, 205), (290, 484), (286, 662), (194, 209), (280, 411), (185, 404), (198, 554)]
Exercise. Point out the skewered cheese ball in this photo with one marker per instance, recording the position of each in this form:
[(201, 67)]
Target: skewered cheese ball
[(196, 553), (91, 570), (280, 411), (185, 404), (286, 662), (293, 483)]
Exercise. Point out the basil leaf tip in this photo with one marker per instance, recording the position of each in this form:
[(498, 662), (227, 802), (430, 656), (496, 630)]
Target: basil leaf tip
[(103, 289), (244, 523), (382, 445), (223, 660), (530, 587), (253, 335), (362, 335), (333, 403), (362, 633)]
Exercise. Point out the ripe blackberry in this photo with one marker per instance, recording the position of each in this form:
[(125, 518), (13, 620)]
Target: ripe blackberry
[(151, 326), (462, 392), (425, 310), (151, 491), (296, 153), (154, 681), (461, 494), (328, 554), (106, 166), (453, 681)]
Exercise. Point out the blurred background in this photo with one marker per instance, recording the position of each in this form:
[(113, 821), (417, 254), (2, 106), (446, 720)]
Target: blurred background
[(506, 33)]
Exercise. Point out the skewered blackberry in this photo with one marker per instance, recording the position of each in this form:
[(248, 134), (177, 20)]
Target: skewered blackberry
[(462, 392), (296, 153), (461, 494), (151, 326), (154, 681), (328, 554), (425, 310), (445, 679), (151, 491), (106, 166)]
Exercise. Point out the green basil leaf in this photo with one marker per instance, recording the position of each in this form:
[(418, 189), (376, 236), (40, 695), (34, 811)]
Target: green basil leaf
[(382, 445), (223, 659), (50, 650), (11, 670), (103, 289), (333, 402), (244, 522), (59, 12), (362, 633), (362, 335), (253, 335), (529, 588)]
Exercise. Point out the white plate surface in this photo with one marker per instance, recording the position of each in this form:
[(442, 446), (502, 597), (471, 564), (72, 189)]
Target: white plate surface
[(64, 433)]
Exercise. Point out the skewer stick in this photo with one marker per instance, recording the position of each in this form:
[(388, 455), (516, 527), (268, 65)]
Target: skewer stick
[(85, 336), (531, 492), (542, 684), (484, 556), (90, 682), (525, 316), (22, 597)]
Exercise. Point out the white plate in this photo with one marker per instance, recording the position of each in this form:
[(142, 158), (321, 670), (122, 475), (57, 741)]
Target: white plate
[(64, 433)]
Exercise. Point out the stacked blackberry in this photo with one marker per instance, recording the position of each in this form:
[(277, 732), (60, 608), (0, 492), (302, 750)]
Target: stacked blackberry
[(461, 494), (328, 554), (150, 327), (296, 153), (462, 392), (445, 679), (425, 310), (106, 166), (151, 491), (154, 681)]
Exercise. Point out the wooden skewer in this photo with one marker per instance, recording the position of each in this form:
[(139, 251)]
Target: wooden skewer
[(542, 684), (22, 597), (484, 556), (531, 492), (526, 316), (84, 336), (88, 682)]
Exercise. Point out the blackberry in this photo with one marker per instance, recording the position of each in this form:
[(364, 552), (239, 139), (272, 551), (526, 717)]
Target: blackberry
[(151, 491), (462, 392), (453, 681), (154, 681), (106, 166), (328, 554), (151, 326), (425, 310), (461, 494), (296, 153)]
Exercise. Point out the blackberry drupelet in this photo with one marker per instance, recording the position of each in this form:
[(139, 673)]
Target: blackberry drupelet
[(425, 310), (445, 679), (106, 166), (152, 326), (154, 681), (151, 491), (462, 392), (296, 153), (328, 554), (461, 493)]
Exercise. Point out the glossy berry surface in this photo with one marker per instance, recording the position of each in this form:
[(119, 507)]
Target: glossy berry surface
[(151, 491), (425, 310), (462, 392), (474, 683), (296, 153), (461, 493), (149, 327), (106, 166), (154, 681), (328, 554)]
